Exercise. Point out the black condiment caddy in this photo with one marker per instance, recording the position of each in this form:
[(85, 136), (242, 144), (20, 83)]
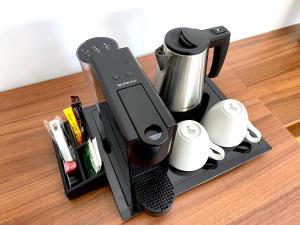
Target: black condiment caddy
[(80, 179)]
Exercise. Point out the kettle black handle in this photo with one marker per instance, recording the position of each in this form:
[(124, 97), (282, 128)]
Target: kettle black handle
[(219, 39)]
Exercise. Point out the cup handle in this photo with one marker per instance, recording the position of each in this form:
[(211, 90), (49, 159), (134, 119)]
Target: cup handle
[(257, 133), (218, 149)]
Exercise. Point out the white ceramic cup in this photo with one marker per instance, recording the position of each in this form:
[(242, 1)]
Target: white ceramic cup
[(192, 147), (227, 124)]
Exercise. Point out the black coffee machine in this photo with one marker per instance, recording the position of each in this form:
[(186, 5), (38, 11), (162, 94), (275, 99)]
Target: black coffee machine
[(146, 125)]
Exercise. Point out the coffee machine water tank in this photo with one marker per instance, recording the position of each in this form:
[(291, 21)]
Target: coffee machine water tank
[(96, 45)]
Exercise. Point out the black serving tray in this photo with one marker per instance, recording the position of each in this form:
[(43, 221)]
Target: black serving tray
[(115, 160), (81, 182), (102, 125)]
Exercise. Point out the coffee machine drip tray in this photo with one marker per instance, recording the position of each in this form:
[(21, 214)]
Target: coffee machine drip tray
[(119, 172)]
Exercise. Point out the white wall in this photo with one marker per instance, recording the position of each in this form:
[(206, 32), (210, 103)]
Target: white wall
[(38, 39)]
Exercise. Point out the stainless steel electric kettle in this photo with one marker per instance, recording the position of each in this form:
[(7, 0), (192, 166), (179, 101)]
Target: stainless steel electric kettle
[(182, 61)]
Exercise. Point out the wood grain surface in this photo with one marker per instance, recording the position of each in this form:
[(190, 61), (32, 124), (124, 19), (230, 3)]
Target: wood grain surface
[(263, 191), (269, 65)]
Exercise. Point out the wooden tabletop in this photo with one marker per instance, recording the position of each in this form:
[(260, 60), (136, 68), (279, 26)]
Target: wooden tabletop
[(263, 191), (269, 65)]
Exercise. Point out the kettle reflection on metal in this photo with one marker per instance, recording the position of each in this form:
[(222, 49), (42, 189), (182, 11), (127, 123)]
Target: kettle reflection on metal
[(182, 61)]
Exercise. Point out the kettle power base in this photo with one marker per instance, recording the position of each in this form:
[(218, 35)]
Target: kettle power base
[(116, 164)]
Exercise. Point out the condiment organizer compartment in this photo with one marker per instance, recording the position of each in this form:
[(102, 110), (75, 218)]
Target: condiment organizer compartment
[(80, 179)]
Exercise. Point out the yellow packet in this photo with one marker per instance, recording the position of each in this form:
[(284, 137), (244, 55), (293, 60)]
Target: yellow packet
[(73, 124)]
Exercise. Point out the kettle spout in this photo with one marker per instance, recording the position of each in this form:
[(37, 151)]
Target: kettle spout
[(161, 58)]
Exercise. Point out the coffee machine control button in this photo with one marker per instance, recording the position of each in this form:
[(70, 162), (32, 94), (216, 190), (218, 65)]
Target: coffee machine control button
[(96, 45), (218, 30)]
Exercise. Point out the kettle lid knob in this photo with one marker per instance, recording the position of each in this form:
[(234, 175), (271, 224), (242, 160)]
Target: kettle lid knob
[(187, 41)]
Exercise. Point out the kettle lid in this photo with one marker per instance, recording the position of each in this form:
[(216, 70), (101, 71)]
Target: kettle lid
[(187, 41)]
